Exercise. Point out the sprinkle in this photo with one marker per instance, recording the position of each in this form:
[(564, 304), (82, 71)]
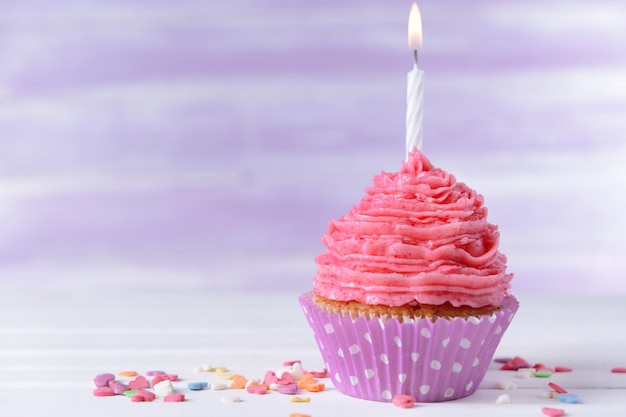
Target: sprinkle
[(295, 371), (562, 369), (231, 399), (217, 386), (619, 370), (568, 398), (502, 360), (553, 412), (207, 368), (147, 395), (118, 387), (163, 388), (130, 392), (239, 382), (220, 369), (548, 394), (299, 415), (138, 398), (253, 381), (290, 363), (315, 387), (503, 399), (542, 373), (319, 374), (197, 386), (172, 377), (159, 378), (174, 398), (542, 367), (296, 399), (274, 387), (515, 364), (257, 389), (155, 373), (138, 383), (270, 378), (403, 401), (557, 388), (290, 389), (102, 380), (286, 378), (103, 392), (127, 373), (306, 380), (225, 375), (506, 385)]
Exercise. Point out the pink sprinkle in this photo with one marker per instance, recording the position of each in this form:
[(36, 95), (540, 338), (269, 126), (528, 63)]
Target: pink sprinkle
[(557, 388), (289, 389), (403, 401), (290, 363), (172, 377), (118, 387), (138, 398), (174, 398), (619, 370), (257, 389), (138, 383), (159, 378), (542, 367), (147, 395), (103, 392), (553, 412), (319, 374), (286, 378), (270, 378), (562, 369), (155, 373)]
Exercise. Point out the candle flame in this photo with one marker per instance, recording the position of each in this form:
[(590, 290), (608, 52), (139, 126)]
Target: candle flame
[(415, 28)]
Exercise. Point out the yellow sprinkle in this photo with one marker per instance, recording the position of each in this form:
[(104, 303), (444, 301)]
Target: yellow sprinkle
[(295, 399), (225, 375), (219, 369)]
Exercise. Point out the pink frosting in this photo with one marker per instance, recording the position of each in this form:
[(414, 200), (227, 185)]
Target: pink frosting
[(417, 236)]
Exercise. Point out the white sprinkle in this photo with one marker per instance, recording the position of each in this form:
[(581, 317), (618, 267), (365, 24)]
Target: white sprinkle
[(218, 386), (231, 399), (506, 385), (503, 399)]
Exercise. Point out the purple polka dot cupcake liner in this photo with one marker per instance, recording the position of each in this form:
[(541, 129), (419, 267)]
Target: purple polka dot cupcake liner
[(376, 358)]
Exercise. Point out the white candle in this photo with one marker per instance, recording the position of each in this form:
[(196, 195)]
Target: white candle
[(415, 86)]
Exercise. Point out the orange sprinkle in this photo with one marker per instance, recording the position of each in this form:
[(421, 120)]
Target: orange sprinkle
[(299, 415), (127, 373), (306, 380), (239, 382), (315, 387)]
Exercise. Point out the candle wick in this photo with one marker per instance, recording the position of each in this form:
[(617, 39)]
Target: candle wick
[(415, 57)]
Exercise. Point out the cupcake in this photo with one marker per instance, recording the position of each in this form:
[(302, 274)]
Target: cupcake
[(411, 295)]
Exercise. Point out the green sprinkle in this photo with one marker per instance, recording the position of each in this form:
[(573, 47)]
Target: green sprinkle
[(130, 392), (542, 373)]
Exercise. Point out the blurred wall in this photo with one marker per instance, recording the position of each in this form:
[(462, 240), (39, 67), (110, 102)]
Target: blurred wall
[(158, 145)]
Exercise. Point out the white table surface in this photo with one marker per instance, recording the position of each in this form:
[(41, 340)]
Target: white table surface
[(52, 345)]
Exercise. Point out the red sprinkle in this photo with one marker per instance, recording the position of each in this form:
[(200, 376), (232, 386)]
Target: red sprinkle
[(138, 398), (515, 364), (290, 363), (159, 378), (502, 360), (403, 401), (174, 398), (553, 412), (541, 366), (557, 388), (562, 369), (619, 370), (319, 374)]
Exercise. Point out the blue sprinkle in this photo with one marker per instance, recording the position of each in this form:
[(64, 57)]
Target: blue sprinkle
[(197, 386), (568, 398)]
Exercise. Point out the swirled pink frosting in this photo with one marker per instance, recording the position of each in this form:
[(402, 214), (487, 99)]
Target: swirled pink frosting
[(418, 236)]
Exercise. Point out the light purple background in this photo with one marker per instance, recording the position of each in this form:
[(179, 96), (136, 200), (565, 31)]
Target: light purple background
[(204, 145)]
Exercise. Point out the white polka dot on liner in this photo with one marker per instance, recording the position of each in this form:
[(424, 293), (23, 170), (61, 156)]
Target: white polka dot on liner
[(354, 349), (498, 330), (469, 386), (476, 362), (474, 320), (382, 323), (449, 393), (305, 310), (445, 341), (465, 343), (426, 333), (424, 389), (386, 395), (337, 377), (415, 356), (368, 337), (435, 364), (384, 358), (354, 380), (340, 352), (397, 341), (329, 328), (369, 373), (402, 378), (457, 367), (492, 318)]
